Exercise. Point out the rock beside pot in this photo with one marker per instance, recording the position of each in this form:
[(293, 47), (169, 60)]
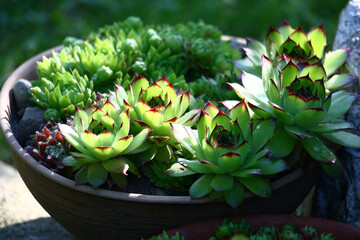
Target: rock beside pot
[(339, 199)]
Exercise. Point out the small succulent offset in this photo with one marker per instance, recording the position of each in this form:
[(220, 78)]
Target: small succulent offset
[(61, 93), (297, 97), (49, 147), (155, 107), (228, 152), (101, 138), (300, 47)]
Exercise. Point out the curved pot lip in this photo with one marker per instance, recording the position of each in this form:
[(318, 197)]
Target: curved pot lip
[(208, 227), (5, 126)]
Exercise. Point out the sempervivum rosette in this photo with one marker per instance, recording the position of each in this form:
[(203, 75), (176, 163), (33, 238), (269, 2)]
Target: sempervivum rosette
[(228, 152), (297, 96), (101, 138), (154, 107)]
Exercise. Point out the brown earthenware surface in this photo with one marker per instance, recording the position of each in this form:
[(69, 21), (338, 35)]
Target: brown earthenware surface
[(91, 213)]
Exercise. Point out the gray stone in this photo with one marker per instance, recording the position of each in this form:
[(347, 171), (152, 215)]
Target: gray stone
[(339, 199), (21, 94), (30, 123), (21, 217), (348, 35)]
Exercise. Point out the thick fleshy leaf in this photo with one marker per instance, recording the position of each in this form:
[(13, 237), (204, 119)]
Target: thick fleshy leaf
[(274, 93), (244, 173), (202, 186), (246, 65), (200, 166), (96, 174), (137, 141), (106, 138), (221, 119), (230, 161), (211, 109), (318, 150), (81, 120), (108, 122), (343, 138), (170, 93), (299, 37), (241, 114), (281, 143), (183, 135), (262, 134), (254, 158), (153, 118), (340, 104), (256, 45), (317, 38), (120, 165), (331, 126), (271, 166), (73, 138), (189, 118), (137, 85), (294, 103), (281, 114), (141, 107), (90, 140), (339, 81), (204, 124), (297, 132), (235, 196), (178, 170), (257, 185), (110, 109), (81, 177), (290, 73), (253, 84), (275, 36), (209, 151), (334, 60), (309, 116), (285, 29), (184, 101), (243, 148), (336, 170), (222, 183), (253, 55), (121, 144), (81, 159), (314, 71), (251, 98), (119, 180), (267, 72)]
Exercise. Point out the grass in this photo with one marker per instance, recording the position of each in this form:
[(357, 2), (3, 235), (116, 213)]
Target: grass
[(29, 27)]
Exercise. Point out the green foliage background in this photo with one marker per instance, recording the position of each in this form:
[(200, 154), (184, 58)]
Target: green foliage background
[(31, 26)]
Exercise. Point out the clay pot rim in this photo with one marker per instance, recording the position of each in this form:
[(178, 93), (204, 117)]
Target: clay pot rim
[(5, 126)]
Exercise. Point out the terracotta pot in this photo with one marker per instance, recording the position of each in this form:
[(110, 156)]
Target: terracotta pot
[(204, 230), (91, 213)]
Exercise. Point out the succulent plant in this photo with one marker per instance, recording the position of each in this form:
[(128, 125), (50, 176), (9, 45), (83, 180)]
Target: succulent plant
[(154, 107), (227, 150), (294, 44), (165, 236), (49, 147), (296, 96), (62, 93), (101, 138)]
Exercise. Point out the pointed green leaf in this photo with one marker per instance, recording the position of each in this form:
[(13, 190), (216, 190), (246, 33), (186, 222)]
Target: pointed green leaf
[(290, 73), (343, 138), (334, 60), (309, 117), (317, 38), (200, 166), (315, 71), (221, 119), (254, 85), (137, 85), (178, 170), (230, 161), (211, 109), (96, 174), (202, 186), (222, 183), (282, 116), (294, 103), (120, 145), (137, 141), (271, 166), (340, 103), (281, 144), (335, 171), (262, 134), (339, 81), (204, 124), (235, 196), (297, 132), (318, 150), (275, 36), (120, 165), (257, 185), (245, 173), (209, 151), (153, 118), (119, 180), (331, 126), (106, 138), (81, 175)]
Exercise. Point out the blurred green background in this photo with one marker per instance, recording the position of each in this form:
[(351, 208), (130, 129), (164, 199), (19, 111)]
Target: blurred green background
[(31, 26)]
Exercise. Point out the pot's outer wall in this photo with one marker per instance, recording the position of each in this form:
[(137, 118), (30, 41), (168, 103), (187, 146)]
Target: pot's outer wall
[(91, 213), (205, 230)]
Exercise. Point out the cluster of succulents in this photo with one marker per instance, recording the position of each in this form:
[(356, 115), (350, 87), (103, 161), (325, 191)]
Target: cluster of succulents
[(234, 230), (294, 87), (137, 95)]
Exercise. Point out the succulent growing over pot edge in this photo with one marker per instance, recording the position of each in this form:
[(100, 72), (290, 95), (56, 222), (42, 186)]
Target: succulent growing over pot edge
[(101, 138), (297, 97), (227, 150)]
